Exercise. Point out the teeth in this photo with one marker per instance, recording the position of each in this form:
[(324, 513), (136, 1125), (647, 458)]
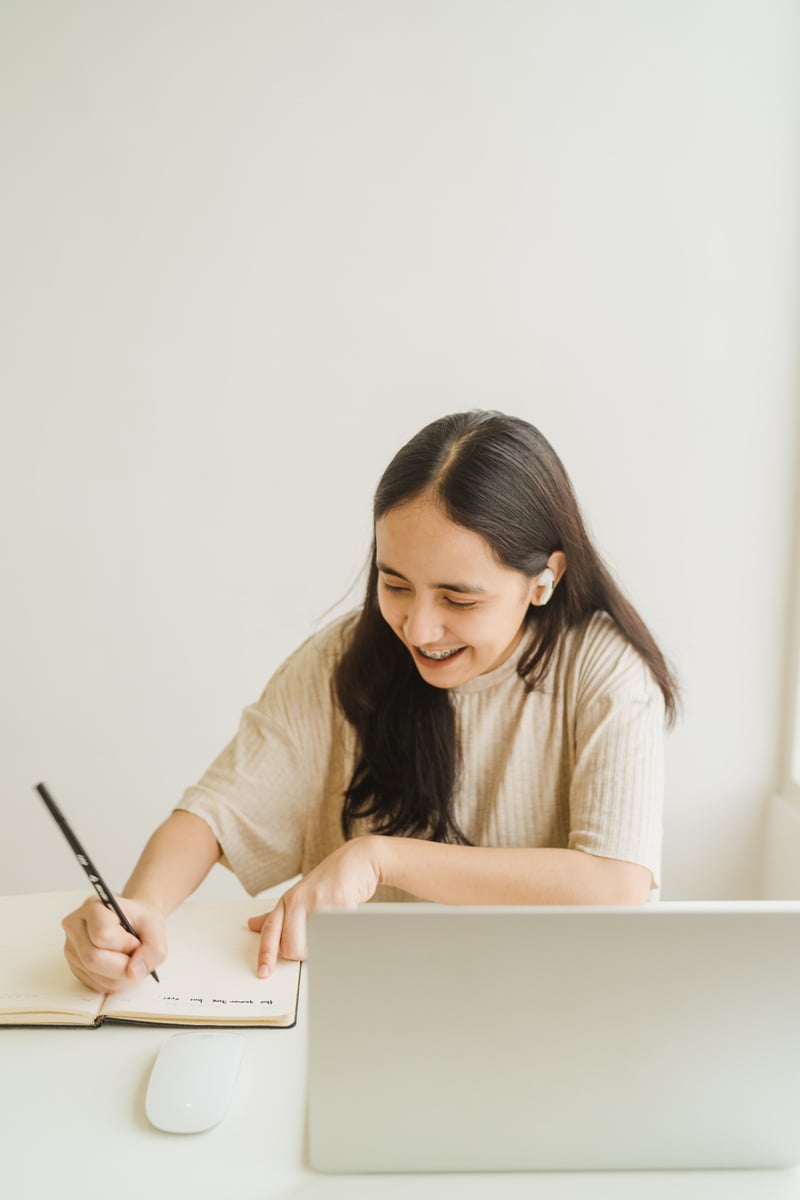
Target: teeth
[(438, 655)]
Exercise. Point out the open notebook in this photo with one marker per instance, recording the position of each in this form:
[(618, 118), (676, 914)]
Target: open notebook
[(208, 979)]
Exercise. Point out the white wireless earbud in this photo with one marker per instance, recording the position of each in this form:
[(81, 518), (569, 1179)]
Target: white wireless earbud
[(547, 580)]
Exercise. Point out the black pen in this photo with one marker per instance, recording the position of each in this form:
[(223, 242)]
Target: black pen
[(95, 878)]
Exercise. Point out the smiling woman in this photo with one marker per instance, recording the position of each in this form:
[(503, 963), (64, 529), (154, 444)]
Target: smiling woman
[(458, 629), (480, 553), (487, 728)]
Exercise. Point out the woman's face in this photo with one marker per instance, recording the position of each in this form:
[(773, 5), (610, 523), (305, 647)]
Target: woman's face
[(458, 612)]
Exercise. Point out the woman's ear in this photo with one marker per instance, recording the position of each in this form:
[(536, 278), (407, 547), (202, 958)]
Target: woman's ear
[(547, 580), (545, 585), (557, 562)]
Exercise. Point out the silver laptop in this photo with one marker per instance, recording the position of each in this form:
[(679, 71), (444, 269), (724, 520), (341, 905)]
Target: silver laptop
[(489, 1039)]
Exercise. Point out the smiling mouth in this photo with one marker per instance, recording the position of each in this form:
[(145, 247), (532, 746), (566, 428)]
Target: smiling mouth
[(438, 655)]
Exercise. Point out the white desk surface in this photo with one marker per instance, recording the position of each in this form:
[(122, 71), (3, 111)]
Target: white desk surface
[(72, 1125)]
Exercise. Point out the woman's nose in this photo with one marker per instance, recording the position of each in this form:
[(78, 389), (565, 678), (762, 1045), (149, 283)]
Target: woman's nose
[(423, 624)]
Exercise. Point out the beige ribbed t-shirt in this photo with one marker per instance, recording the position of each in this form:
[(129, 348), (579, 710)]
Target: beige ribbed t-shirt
[(577, 763)]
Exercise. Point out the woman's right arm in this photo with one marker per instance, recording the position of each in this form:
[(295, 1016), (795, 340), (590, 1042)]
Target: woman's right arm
[(174, 862)]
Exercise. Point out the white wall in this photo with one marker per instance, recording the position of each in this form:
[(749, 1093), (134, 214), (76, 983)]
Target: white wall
[(249, 248)]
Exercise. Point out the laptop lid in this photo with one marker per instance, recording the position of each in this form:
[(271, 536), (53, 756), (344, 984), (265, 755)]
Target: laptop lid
[(469, 1039)]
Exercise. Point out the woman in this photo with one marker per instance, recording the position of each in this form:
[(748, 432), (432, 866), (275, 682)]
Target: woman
[(486, 729)]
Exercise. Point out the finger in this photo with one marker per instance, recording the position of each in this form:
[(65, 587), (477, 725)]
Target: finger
[(105, 956), (256, 923), (141, 962), (271, 928), (150, 944), (100, 925), (100, 970), (104, 931), (294, 935)]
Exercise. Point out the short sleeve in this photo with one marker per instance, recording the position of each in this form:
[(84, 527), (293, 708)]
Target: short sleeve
[(617, 787), (257, 796)]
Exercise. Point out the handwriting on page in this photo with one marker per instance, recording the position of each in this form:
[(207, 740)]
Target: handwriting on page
[(228, 1001)]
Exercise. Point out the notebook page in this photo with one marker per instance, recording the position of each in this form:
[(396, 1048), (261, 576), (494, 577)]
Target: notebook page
[(209, 974), (36, 985)]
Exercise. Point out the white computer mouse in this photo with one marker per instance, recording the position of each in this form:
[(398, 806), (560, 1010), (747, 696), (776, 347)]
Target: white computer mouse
[(192, 1081)]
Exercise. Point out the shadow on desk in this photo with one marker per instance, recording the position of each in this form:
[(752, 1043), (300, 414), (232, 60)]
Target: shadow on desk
[(611, 1185)]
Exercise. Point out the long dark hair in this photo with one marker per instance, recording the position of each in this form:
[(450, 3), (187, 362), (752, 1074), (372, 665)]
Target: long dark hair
[(498, 476)]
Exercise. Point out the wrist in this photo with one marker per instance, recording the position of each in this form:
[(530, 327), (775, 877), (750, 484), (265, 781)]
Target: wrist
[(384, 856), (372, 845), (143, 894)]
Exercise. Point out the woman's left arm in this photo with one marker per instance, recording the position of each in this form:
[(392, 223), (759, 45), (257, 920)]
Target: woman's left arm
[(496, 875), (445, 874)]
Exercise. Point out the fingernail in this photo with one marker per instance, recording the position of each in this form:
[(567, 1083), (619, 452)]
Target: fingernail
[(264, 971), (139, 968)]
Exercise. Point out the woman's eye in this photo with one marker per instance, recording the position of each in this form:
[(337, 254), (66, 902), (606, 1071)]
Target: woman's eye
[(404, 589)]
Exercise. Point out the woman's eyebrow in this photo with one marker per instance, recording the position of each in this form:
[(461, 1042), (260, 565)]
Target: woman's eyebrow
[(469, 589)]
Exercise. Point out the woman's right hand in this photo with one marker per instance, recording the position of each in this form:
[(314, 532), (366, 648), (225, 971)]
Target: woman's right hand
[(102, 955)]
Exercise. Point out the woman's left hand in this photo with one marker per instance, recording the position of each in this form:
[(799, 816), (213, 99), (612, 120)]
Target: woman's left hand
[(346, 878)]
